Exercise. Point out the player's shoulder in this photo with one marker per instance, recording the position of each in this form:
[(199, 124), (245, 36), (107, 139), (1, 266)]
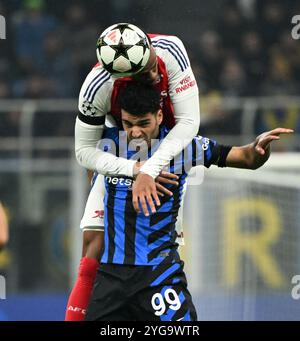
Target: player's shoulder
[(170, 43), (98, 78), (154, 37), (171, 50), (94, 96)]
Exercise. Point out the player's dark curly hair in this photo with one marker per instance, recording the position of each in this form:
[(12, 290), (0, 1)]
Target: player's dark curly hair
[(139, 99)]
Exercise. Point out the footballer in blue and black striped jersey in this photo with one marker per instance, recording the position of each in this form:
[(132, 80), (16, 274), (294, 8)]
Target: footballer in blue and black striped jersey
[(131, 238), (141, 275)]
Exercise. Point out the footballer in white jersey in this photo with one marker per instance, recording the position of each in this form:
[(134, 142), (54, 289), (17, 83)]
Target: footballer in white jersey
[(170, 72)]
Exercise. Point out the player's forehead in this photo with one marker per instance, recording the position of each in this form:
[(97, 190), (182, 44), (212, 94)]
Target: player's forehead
[(126, 116)]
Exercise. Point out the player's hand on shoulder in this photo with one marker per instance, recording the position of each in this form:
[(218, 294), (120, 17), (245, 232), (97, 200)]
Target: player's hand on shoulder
[(163, 179), (160, 182), (144, 194)]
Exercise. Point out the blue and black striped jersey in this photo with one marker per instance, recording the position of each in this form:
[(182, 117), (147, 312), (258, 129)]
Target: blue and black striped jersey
[(135, 239)]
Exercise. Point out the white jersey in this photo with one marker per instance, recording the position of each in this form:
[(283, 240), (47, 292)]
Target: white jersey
[(95, 99), (180, 105)]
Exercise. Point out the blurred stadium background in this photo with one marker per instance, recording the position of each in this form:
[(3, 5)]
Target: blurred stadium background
[(242, 228)]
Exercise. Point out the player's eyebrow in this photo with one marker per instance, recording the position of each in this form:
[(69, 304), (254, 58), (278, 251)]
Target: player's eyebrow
[(126, 122), (141, 122)]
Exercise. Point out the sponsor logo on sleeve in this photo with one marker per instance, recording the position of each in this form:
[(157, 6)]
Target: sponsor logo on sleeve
[(187, 83)]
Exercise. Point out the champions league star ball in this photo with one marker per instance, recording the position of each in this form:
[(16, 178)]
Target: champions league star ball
[(123, 49)]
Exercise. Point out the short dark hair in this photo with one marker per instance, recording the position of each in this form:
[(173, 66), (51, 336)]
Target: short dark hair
[(139, 99)]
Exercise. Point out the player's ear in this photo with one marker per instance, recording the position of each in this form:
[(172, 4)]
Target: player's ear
[(159, 116)]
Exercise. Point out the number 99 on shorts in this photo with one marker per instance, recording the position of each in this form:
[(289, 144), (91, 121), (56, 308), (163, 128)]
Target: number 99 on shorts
[(159, 301)]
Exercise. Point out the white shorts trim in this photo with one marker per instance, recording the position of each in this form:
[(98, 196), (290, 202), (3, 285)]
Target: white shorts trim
[(96, 228)]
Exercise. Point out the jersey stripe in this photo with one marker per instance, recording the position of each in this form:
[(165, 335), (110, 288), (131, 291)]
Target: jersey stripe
[(187, 316), (156, 268), (111, 223), (208, 153), (163, 227), (93, 82), (187, 158), (177, 49), (140, 247), (198, 154), (157, 218), (194, 153), (98, 86), (165, 274), (161, 232), (130, 232), (95, 85), (120, 206), (104, 257), (174, 55), (166, 206), (158, 238), (173, 315), (155, 252)]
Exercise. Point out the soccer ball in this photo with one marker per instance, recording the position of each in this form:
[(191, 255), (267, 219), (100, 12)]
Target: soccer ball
[(123, 49)]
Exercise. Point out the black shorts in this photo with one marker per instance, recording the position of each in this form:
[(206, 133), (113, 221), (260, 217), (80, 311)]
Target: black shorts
[(141, 293)]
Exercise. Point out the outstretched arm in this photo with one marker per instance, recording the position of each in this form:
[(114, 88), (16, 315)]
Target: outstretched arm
[(255, 154)]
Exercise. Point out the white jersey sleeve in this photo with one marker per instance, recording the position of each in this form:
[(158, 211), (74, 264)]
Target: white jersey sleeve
[(182, 83), (183, 92), (94, 104), (94, 96)]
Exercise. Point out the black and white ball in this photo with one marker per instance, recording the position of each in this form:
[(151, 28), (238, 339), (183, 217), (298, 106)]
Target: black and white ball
[(123, 49)]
